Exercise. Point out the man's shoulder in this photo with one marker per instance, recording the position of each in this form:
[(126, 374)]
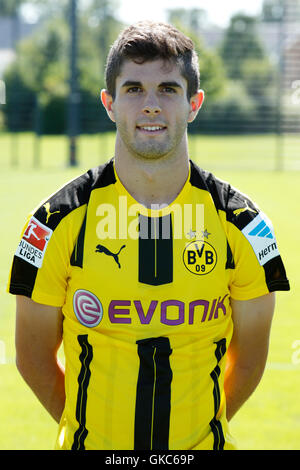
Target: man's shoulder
[(74, 194), (240, 209)]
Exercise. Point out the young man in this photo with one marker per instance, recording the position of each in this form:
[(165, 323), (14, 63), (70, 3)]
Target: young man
[(158, 277)]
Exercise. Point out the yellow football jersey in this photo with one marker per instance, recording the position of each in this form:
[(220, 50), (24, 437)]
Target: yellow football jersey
[(145, 295)]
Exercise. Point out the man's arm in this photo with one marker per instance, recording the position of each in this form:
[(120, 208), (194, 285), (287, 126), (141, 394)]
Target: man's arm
[(38, 337), (248, 350)]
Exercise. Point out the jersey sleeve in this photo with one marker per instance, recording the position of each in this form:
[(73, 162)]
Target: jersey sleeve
[(41, 264), (258, 266), (48, 246)]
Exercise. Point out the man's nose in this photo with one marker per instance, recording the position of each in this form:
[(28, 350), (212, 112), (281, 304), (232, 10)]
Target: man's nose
[(151, 105)]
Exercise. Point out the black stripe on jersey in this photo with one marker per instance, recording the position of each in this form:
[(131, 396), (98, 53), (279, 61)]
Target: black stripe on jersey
[(218, 434), (215, 424), (153, 395), (77, 255), (230, 264), (85, 358), (155, 250)]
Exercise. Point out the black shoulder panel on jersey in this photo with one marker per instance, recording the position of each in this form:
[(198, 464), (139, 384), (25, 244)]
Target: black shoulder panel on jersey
[(74, 194), (71, 196), (240, 210), (104, 175), (217, 188)]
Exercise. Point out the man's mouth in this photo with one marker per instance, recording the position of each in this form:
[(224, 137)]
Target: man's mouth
[(152, 129)]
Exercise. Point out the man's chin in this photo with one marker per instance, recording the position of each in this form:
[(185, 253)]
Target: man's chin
[(151, 153)]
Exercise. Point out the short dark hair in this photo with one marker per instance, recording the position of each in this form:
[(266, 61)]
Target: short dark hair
[(147, 41)]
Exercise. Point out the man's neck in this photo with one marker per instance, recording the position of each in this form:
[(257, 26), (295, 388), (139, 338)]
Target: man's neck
[(153, 182)]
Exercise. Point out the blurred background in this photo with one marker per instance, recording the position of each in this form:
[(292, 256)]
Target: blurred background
[(52, 58), (53, 127)]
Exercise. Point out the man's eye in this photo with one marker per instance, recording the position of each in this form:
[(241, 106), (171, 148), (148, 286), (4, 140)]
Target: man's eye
[(134, 89), (168, 89)]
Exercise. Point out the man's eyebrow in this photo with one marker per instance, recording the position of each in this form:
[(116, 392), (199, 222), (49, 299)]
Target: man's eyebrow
[(162, 84), (170, 84), (131, 83)]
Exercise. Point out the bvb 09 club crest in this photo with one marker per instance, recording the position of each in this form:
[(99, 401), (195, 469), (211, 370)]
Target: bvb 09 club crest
[(199, 257)]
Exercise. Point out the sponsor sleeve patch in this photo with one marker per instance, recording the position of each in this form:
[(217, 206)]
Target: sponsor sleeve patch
[(33, 244), (260, 234)]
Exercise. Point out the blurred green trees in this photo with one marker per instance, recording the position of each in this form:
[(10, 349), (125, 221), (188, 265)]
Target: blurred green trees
[(237, 76), (40, 74), (249, 70)]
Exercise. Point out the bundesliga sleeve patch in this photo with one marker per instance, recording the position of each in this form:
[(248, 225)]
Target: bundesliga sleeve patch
[(260, 234), (33, 244)]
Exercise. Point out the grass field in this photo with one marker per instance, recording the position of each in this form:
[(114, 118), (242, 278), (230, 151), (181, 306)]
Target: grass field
[(271, 418), (237, 152)]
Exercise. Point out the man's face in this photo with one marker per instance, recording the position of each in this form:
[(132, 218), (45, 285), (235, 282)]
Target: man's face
[(151, 109)]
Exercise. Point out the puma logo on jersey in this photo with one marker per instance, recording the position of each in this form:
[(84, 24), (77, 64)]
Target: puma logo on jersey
[(47, 208), (244, 209), (106, 251)]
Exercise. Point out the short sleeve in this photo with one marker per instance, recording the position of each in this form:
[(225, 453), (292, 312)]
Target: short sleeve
[(42, 261), (41, 264), (258, 266), (254, 265)]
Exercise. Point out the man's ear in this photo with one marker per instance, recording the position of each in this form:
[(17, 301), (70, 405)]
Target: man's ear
[(107, 102), (196, 102)]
